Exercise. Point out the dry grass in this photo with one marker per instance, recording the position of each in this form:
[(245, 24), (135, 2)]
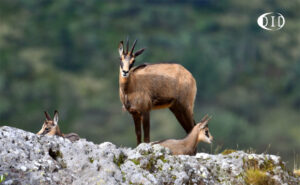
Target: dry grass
[(297, 172), (228, 151), (257, 177)]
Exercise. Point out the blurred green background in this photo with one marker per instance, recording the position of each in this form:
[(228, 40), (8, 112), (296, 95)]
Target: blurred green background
[(63, 55)]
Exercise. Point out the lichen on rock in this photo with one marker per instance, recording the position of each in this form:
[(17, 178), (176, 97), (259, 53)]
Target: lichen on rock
[(30, 159)]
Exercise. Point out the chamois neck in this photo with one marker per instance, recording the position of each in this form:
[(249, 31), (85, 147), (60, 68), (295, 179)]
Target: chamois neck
[(124, 83), (58, 132), (191, 140)]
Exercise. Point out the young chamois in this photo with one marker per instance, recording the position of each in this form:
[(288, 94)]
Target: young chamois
[(50, 128), (155, 86), (188, 145)]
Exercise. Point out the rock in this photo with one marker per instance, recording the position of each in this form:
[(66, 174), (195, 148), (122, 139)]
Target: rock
[(26, 158)]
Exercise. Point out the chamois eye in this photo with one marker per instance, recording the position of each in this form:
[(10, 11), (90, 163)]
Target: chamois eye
[(206, 133)]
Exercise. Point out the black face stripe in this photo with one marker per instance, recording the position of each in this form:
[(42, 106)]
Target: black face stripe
[(121, 64), (46, 131), (206, 133), (131, 65)]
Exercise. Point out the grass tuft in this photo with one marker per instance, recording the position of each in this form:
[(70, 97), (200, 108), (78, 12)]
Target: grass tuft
[(120, 159), (257, 177), (2, 178)]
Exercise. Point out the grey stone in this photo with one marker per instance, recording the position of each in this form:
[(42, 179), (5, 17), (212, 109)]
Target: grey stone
[(26, 158)]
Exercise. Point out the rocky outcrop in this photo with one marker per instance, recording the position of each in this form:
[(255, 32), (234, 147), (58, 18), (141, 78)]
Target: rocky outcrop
[(26, 158)]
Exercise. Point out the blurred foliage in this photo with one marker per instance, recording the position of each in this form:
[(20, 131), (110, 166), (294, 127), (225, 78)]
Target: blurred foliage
[(63, 55)]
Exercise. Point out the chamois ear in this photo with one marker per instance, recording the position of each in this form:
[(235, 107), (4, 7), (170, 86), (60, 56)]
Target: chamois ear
[(204, 121), (203, 125), (139, 52), (47, 116), (55, 118), (127, 46), (204, 118), (121, 49)]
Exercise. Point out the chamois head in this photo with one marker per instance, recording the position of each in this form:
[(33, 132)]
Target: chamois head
[(50, 127), (204, 134), (127, 57)]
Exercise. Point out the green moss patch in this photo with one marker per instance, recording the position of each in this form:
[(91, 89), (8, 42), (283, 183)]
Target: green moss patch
[(91, 159), (120, 159), (135, 161), (162, 158)]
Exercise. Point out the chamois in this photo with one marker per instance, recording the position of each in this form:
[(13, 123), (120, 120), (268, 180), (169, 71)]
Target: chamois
[(155, 86), (188, 145), (50, 128)]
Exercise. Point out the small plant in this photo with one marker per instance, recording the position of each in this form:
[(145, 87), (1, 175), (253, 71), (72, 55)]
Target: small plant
[(216, 150), (296, 161), (250, 151), (267, 165), (135, 161), (297, 172), (162, 158), (91, 159), (257, 177), (120, 160), (2, 178), (258, 173)]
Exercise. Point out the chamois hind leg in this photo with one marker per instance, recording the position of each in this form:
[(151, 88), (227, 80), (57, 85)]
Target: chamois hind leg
[(137, 124), (146, 126), (184, 117), (187, 116)]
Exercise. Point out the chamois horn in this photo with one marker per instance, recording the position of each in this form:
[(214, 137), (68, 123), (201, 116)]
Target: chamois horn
[(131, 51), (127, 46), (205, 118)]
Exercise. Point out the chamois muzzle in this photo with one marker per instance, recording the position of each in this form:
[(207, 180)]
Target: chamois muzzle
[(210, 139), (125, 73)]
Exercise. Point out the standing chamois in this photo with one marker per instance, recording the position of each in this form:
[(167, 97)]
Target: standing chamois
[(51, 128), (155, 86), (188, 145)]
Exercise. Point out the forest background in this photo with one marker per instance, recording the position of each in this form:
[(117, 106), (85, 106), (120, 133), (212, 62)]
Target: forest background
[(63, 55)]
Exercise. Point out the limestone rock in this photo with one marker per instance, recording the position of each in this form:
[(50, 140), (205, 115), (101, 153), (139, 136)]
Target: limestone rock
[(26, 158)]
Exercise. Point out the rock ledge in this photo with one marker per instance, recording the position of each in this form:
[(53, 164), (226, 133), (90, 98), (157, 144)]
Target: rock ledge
[(26, 158)]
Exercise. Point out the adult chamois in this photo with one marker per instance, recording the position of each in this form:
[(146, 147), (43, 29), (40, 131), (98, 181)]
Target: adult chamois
[(155, 86), (50, 127)]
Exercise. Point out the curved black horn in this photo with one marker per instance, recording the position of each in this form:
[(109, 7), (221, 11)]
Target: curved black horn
[(127, 46), (131, 51)]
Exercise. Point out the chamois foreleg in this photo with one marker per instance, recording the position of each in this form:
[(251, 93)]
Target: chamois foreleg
[(146, 126), (137, 123)]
